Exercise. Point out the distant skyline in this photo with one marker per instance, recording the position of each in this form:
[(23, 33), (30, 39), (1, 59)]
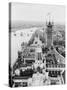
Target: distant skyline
[(37, 12)]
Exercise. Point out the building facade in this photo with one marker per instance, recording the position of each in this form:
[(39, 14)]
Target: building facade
[(38, 53)]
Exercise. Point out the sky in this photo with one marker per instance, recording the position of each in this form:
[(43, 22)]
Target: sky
[(37, 12)]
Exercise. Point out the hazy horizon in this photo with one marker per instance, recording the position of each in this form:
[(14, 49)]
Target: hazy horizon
[(37, 12)]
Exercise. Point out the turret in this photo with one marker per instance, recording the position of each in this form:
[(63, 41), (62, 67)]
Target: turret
[(49, 30)]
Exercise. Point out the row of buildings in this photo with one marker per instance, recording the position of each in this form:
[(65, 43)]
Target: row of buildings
[(39, 52)]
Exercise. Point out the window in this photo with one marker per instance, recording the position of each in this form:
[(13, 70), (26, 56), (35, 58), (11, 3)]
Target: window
[(39, 56), (36, 42)]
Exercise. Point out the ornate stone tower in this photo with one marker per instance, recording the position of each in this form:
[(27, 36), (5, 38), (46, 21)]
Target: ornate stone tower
[(49, 30)]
